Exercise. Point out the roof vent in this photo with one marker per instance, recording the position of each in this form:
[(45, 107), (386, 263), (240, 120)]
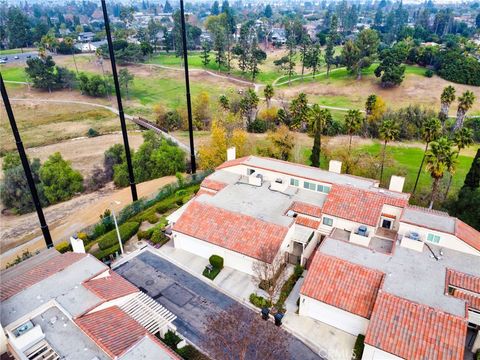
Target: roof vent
[(335, 166), (396, 183), (231, 153)]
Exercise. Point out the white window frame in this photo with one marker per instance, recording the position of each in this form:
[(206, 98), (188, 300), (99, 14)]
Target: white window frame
[(294, 182), (311, 186)]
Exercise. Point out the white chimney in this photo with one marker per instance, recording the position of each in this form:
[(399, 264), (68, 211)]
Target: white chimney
[(77, 244), (231, 153), (396, 183), (335, 166)]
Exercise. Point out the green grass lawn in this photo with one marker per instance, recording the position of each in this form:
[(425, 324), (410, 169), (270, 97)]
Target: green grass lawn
[(407, 161), (13, 73), (14, 51)]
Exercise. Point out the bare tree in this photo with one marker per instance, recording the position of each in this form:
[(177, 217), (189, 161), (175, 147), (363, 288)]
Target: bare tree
[(270, 276), (239, 334)]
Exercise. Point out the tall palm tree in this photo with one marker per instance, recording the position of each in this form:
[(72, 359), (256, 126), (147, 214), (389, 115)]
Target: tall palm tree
[(318, 119), (268, 92), (353, 123), (462, 139), (389, 131), (69, 42), (446, 99), (465, 103), (439, 159), (431, 131)]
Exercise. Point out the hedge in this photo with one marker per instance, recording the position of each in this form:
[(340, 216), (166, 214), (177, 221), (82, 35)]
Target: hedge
[(107, 252), (216, 261), (259, 301), (358, 348), (288, 287), (63, 247), (127, 230), (211, 274), (158, 237)]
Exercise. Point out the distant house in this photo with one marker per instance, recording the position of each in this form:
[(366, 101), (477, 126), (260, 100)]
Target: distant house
[(278, 36), (86, 36), (90, 46)]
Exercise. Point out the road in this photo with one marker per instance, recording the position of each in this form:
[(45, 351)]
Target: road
[(22, 57), (189, 298)]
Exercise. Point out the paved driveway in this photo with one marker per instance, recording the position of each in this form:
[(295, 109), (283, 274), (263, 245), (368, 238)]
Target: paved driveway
[(191, 299)]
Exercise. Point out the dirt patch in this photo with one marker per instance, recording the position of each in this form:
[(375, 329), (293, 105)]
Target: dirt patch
[(19, 233)]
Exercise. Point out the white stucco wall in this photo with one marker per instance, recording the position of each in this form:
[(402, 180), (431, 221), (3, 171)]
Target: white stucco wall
[(446, 240), (341, 319), (372, 353)]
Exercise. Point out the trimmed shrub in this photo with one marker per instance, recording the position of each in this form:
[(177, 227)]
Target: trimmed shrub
[(145, 234), (429, 73), (358, 348), (152, 218), (181, 193), (258, 126), (158, 237), (171, 339), (92, 132), (216, 261), (127, 230), (259, 301), (211, 274), (82, 236), (63, 247), (298, 271), (188, 352), (288, 287), (102, 254)]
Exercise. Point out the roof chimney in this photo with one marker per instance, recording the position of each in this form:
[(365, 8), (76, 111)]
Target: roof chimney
[(396, 183), (335, 166), (231, 153), (77, 244)]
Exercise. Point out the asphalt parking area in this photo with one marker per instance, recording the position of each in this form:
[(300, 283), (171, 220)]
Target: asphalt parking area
[(189, 298)]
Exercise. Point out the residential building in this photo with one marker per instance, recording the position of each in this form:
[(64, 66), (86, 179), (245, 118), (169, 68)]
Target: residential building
[(90, 46), (85, 36), (365, 249), (72, 306)]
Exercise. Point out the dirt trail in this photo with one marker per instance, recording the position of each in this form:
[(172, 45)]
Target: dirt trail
[(19, 233)]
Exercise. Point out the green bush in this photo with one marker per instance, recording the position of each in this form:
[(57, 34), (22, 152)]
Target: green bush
[(165, 206), (359, 346), (179, 202), (144, 234), (429, 73), (171, 339), (101, 254), (211, 274), (152, 218), (298, 271), (63, 247), (127, 230), (259, 301), (288, 287), (92, 132), (181, 193), (188, 352), (216, 261), (478, 354), (158, 237)]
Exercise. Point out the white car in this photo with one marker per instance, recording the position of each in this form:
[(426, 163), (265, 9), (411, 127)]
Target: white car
[(16, 57), (3, 61)]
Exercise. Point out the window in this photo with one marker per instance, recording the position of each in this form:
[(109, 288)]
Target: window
[(308, 185), (327, 221), (323, 188), (294, 182), (250, 171), (433, 238)]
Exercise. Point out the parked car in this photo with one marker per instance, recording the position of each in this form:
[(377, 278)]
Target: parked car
[(29, 56), (16, 57), (3, 61)]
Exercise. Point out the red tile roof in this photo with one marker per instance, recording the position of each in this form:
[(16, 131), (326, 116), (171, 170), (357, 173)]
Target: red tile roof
[(414, 331), (110, 287), (306, 209), (205, 191), (467, 234), (233, 231), (213, 184), (362, 206), (38, 273), (308, 222), (115, 331), (230, 163), (467, 287), (342, 284)]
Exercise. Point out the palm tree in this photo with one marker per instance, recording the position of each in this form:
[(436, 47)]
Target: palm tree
[(268, 92), (389, 131), (431, 131), (446, 99), (465, 103), (461, 138), (318, 119), (69, 42), (440, 158), (353, 123)]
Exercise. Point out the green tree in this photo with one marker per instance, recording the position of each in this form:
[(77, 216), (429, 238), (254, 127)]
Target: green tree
[(305, 43), (353, 123), (42, 73), (391, 70), (367, 44), (388, 132), (462, 139), (17, 28), (60, 180), (446, 99), (215, 8), (224, 102), (268, 92), (439, 159), (268, 11), (472, 180), (248, 105), (70, 44), (255, 57), (350, 55), (331, 41), (431, 131), (299, 112), (205, 54), (125, 77), (313, 58), (318, 119), (465, 102), (281, 144)]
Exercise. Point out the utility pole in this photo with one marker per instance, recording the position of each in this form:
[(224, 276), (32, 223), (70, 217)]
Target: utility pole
[(187, 85), (26, 165), (131, 178)]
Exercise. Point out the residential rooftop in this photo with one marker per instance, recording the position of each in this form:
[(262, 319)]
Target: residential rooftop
[(410, 274), (435, 220)]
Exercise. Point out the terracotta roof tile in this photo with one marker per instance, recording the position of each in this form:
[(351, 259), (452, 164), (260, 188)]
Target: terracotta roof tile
[(342, 284), (362, 206), (306, 209), (230, 163), (308, 222), (467, 287), (213, 184), (414, 331), (233, 231), (205, 192), (467, 234), (110, 287), (38, 273), (115, 331)]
